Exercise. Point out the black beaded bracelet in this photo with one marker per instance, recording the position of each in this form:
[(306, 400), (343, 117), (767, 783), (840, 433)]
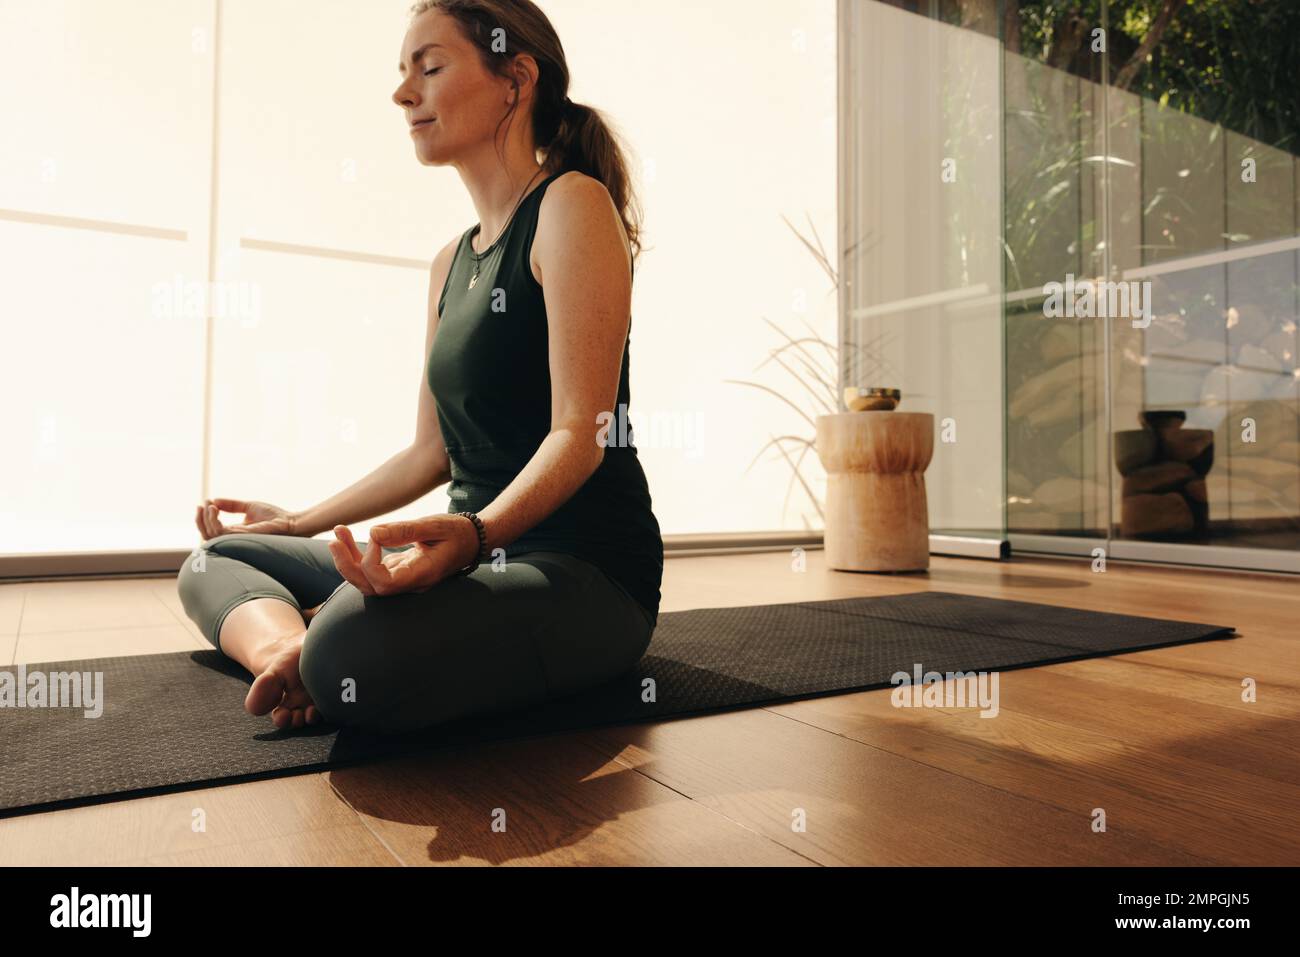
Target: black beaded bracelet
[(482, 542)]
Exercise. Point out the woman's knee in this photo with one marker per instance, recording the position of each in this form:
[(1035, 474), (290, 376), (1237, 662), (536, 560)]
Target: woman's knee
[(190, 580), (326, 668), (196, 562), (241, 546), (344, 669)]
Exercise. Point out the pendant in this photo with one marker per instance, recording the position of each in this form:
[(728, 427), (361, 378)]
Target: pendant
[(473, 280)]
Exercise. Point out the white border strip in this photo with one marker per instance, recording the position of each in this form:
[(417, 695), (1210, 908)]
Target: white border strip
[(970, 547), (1215, 259), (322, 252), (1055, 544), (920, 302), (1277, 560), (1211, 556), (92, 225)]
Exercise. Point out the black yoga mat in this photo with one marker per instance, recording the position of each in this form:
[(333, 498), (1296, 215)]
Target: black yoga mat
[(176, 721)]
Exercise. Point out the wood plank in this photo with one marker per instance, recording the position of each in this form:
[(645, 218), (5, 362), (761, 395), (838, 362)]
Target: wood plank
[(164, 589), (352, 846), (84, 605), (561, 802), (1221, 814), (1273, 661), (1151, 672), (11, 608), (103, 643), (1164, 723), (864, 805), (121, 831)]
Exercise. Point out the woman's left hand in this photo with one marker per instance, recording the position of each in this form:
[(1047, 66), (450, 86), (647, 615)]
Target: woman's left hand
[(443, 544)]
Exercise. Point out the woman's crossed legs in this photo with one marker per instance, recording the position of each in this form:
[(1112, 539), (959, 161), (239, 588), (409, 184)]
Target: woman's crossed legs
[(546, 624)]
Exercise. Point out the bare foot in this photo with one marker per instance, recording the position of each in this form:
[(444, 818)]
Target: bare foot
[(278, 687)]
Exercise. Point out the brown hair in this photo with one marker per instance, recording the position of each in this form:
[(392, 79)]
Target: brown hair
[(573, 136)]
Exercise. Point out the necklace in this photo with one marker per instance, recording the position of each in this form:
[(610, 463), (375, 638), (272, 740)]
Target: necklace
[(473, 281)]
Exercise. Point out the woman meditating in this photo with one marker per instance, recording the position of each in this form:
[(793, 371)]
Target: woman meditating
[(543, 577)]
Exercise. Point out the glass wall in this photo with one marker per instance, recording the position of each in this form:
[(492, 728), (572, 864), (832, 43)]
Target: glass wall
[(1054, 195), (1144, 157), (1212, 126), (1174, 187), (921, 174)]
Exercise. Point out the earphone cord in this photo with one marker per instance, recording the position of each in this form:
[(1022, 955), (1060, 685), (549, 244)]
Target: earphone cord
[(509, 218)]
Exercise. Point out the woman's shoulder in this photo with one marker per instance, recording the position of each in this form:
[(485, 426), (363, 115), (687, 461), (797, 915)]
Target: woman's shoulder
[(576, 187), (576, 203)]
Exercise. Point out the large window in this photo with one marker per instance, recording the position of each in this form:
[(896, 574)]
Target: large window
[(216, 245)]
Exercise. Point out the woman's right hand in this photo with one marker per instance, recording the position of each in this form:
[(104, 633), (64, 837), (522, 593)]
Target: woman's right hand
[(259, 518)]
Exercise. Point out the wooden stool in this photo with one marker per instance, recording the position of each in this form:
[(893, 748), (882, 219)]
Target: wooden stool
[(877, 519)]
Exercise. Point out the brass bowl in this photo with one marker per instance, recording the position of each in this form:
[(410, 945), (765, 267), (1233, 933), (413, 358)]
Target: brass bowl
[(871, 400)]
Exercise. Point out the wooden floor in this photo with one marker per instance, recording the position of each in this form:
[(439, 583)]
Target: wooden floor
[(1185, 771)]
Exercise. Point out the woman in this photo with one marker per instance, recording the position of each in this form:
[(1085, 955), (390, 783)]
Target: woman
[(527, 346)]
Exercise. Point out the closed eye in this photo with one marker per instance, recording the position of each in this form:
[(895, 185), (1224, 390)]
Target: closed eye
[(433, 71)]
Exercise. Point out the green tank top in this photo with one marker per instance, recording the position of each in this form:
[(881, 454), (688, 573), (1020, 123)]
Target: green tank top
[(490, 376)]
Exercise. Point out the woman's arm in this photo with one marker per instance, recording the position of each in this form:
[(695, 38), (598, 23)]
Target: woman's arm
[(411, 473), (581, 250), (406, 476)]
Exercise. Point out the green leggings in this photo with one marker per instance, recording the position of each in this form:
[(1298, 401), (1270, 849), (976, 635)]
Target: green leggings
[(545, 625)]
